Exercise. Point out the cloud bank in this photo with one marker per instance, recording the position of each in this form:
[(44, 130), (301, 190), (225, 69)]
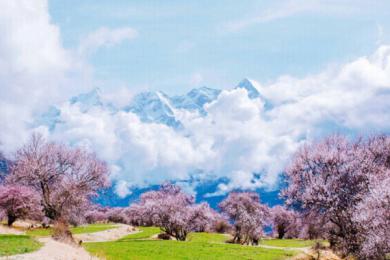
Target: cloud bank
[(36, 71), (245, 141), (34, 67)]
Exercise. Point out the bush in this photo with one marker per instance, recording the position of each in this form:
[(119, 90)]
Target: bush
[(62, 233), (164, 236)]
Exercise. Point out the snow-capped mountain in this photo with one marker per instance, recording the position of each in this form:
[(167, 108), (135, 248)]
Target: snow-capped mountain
[(250, 86), (150, 106), (153, 107), (90, 100), (50, 118), (196, 99), (253, 89)]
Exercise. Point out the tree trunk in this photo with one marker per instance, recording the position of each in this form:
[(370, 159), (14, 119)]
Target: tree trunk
[(11, 220), (281, 232)]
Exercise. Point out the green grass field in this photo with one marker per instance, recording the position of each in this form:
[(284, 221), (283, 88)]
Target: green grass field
[(42, 232), (146, 233), (17, 244), (199, 246)]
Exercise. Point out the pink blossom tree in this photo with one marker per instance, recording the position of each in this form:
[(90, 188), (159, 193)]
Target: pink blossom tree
[(96, 214), (330, 178), (247, 214), (118, 215), (66, 178), (19, 202), (137, 215), (373, 216), (283, 222), (203, 218), (324, 179), (311, 226), (168, 208)]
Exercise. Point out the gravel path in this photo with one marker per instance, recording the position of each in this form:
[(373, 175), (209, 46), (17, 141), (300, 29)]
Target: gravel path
[(54, 250), (107, 235), (4, 230)]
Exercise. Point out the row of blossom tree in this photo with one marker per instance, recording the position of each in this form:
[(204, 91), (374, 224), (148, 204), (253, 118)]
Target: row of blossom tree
[(336, 189)]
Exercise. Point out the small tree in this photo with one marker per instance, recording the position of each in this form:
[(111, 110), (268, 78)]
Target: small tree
[(283, 222), (96, 214), (118, 215), (247, 214), (19, 202), (168, 208), (203, 218)]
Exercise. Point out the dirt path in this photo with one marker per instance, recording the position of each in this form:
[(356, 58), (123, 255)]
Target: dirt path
[(304, 249), (107, 235), (55, 250), (4, 230), (312, 254)]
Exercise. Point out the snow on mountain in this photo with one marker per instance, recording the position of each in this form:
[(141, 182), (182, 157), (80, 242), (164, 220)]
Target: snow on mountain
[(196, 99), (250, 86), (88, 100), (153, 107), (253, 89), (150, 106)]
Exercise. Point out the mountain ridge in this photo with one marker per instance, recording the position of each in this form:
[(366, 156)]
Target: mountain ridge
[(152, 106)]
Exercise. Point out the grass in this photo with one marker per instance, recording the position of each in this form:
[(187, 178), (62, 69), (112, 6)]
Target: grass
[(288, 242), (198, 246), (146, 233), (207, 237), (17, 244), (91, 228)]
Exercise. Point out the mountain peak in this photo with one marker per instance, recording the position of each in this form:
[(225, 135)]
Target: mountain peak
[(251, 86), (153, 106), (196, 98), (89, 99)]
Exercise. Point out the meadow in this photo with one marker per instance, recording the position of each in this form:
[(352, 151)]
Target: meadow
[(143, 245), (17, 244), (197, 246)]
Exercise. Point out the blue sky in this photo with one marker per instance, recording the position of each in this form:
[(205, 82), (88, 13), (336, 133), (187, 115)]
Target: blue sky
[(185, 44)]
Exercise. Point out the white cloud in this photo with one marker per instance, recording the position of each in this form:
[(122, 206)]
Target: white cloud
[(288, 8), (105, 37), (284, 10), (122, 189), (34, 67), (239, 136)]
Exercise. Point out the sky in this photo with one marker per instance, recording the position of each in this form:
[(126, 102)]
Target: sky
[(178, 45), (321, 67)]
